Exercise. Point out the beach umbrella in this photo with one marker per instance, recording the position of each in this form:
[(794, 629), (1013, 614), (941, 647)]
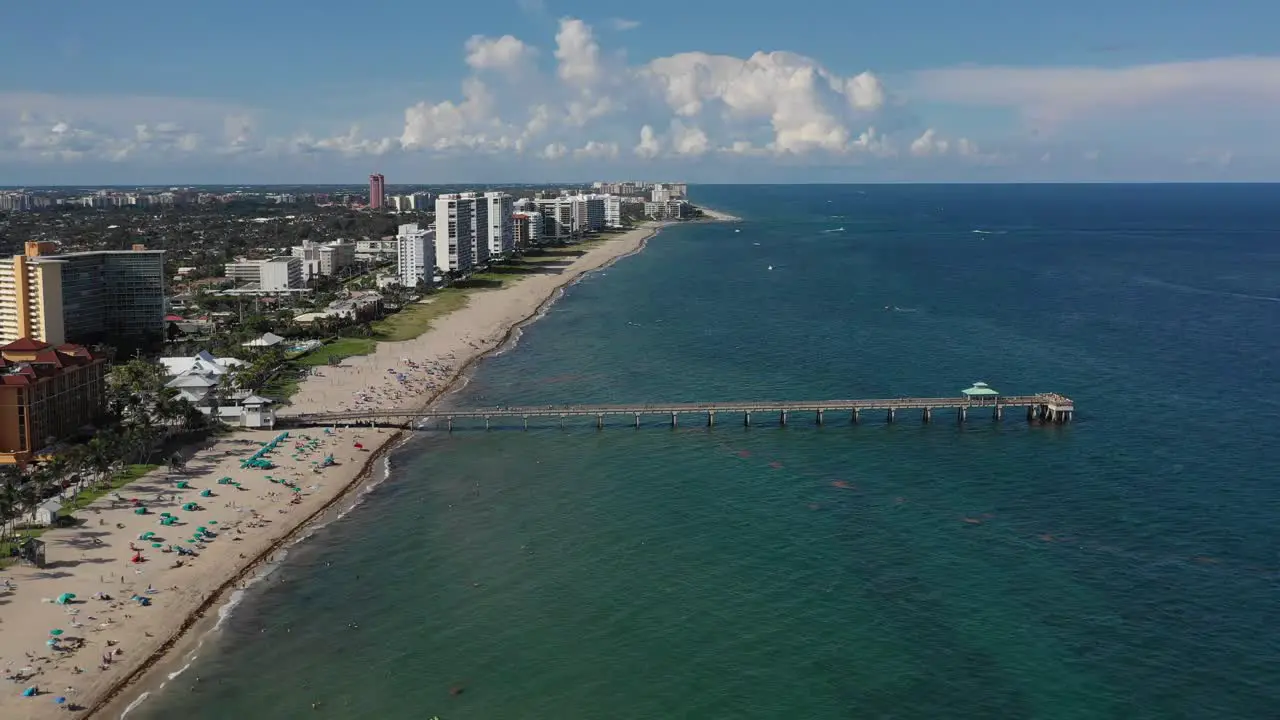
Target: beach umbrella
[(156, 545), (30, 692), (165, 514), (213, 522), (65, 598), (59, 700), (55, 632)]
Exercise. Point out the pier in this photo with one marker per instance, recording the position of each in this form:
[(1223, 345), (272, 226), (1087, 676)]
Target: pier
[(1042, 408)]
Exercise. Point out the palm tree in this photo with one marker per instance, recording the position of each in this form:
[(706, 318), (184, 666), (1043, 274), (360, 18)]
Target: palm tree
[(10, 500)]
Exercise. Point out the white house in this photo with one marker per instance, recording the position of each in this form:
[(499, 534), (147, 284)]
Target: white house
[(267, 340), (46, 513), (198, 379), (202, 361)]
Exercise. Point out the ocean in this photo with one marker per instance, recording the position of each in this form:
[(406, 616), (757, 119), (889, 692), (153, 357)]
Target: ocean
[(1122, 566)]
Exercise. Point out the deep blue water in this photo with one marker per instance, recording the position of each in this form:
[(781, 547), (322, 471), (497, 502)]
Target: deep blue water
[(1124, 566)]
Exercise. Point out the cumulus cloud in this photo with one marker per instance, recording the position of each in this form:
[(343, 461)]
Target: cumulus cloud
[(688, 140), (506, 53), (578, 54), (804, 102), (681, 107), (623, 24), (595, 149), (472, 123), (649, 146), (931, 144)]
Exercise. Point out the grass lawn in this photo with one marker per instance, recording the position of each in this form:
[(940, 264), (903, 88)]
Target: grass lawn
[(416, 318), (117, 481)]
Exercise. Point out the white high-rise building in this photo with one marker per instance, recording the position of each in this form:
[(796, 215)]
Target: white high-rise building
[(455, 232), (415, 255), (500, 235), (590, 212), (612, 211), (660, 193), (527, 228), (557, 217)]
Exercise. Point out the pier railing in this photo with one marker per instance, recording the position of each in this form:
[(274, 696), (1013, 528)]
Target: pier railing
[(1042, 407)]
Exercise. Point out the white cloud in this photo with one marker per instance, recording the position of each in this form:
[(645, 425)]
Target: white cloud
[(595, 149), (864, 91), (805, 104), (578, 54), (931, 144), (689, 140), (770, 105), (532, 7), (1055, 94), (445, 125), (351, 144), (506, 53), (649, 146)]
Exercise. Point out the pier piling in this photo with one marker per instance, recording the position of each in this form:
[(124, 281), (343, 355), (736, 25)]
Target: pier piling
[(926, 415), (599, 421), (962, 414), (889, 415), (486, 422), (853, 416)]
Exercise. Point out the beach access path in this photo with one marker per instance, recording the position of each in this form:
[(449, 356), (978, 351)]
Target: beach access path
[(252, 521)]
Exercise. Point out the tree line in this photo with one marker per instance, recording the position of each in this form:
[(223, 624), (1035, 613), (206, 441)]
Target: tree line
[(141, 417)]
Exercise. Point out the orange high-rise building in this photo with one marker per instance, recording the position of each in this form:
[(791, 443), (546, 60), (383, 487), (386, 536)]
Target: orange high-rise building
[(46, 394)]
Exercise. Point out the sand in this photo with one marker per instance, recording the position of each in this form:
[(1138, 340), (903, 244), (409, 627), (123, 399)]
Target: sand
[(250, 522)]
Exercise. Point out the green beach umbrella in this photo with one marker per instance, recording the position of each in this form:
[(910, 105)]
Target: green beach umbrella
[(55, 632), (213, 522), (156, 545)]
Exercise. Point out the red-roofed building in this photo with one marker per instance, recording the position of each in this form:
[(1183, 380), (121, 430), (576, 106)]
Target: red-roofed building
[(46, 394)]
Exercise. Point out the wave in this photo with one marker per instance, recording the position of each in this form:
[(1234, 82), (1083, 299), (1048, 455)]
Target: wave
[(989, 232), (834, 230)]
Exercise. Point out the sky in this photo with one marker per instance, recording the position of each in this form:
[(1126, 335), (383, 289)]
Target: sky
[(323, 91)]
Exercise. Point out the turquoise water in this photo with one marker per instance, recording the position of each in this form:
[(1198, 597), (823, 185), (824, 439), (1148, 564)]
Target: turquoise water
[(1121, 567)]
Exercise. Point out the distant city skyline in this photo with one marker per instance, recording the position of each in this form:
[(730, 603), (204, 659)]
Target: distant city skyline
[(567, 91)]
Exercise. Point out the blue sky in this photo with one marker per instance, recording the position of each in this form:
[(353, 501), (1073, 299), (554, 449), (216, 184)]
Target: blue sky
[(713, 90)]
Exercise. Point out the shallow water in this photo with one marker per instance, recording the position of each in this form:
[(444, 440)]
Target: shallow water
[(1120, 567)]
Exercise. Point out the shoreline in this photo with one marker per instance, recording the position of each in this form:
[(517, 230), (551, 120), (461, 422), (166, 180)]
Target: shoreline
[(713, 215), (120, 698)]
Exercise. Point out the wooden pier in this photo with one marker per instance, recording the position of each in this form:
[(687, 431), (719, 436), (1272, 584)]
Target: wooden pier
[(1043, 408)]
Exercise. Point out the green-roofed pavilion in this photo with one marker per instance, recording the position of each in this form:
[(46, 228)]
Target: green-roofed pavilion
[(980, 390)]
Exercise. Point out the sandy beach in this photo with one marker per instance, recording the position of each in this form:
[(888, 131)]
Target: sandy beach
[(135, 598)]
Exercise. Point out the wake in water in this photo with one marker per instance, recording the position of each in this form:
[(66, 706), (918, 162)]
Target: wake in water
[(834, 230), (1204, 291), (989, 232)]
